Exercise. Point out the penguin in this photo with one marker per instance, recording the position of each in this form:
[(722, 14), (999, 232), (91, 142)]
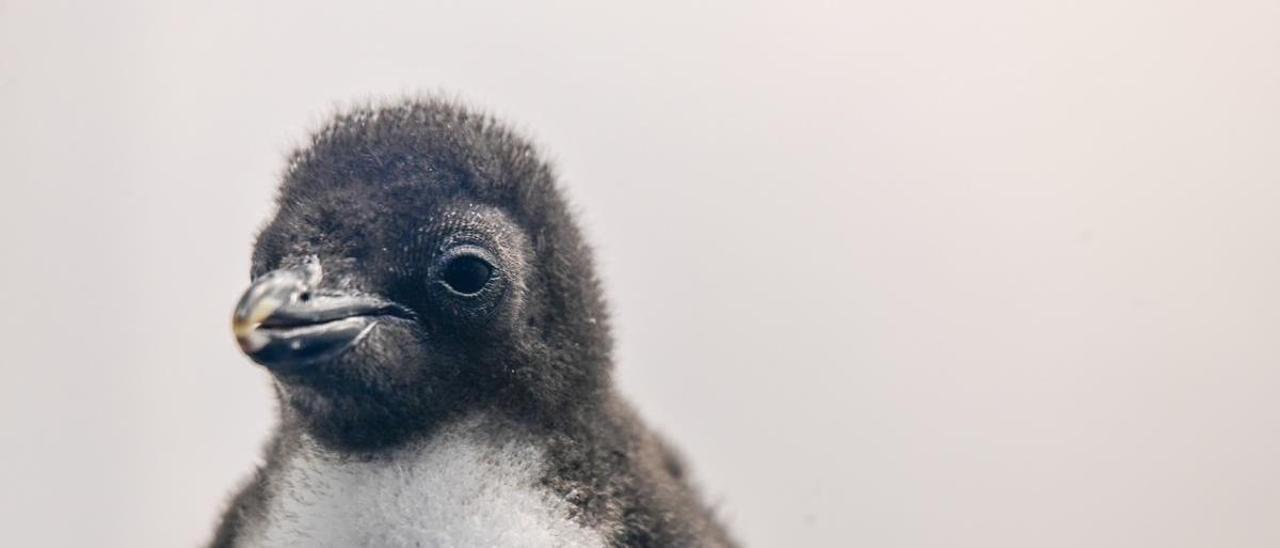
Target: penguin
[(439, 345)]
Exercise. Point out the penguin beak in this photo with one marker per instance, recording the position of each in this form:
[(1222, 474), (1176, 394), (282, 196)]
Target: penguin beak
[(282, 319)]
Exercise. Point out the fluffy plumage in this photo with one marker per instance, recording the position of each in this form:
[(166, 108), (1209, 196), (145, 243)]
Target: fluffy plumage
[(495, 404)]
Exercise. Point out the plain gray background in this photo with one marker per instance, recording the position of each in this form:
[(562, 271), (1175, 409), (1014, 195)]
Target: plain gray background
[(893, 274)]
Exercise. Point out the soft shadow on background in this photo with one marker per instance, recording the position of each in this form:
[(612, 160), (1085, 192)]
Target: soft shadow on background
[(894, 274)]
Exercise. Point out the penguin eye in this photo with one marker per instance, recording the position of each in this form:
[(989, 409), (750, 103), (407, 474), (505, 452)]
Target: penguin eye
[(467, 274)]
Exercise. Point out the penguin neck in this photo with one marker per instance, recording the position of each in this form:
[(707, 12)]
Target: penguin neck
[(476, 481)]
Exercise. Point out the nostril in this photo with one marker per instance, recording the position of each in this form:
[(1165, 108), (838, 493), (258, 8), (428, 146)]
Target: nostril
[(305, 296)]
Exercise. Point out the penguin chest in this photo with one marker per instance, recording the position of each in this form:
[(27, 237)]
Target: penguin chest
[(461, 489)]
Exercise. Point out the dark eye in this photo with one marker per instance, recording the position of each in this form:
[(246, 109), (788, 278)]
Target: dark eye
[(467, 274)]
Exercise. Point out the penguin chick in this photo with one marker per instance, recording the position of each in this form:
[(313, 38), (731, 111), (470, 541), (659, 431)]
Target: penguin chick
[(440, 350)]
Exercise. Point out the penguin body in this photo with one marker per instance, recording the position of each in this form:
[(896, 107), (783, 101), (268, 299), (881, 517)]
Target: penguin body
[(440, 348)]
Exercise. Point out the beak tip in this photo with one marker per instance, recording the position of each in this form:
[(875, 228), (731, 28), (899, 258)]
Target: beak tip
[(249, 339)]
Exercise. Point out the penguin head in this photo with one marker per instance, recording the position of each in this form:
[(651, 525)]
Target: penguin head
[(421, 263)]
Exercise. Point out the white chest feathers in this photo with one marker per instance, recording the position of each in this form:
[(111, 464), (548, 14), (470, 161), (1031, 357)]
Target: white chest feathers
[(463, 488)]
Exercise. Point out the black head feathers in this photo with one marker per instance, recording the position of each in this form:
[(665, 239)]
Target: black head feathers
[(439, 240)]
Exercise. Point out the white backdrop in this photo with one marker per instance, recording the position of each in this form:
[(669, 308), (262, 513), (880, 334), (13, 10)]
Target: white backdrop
[(893, 274)]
